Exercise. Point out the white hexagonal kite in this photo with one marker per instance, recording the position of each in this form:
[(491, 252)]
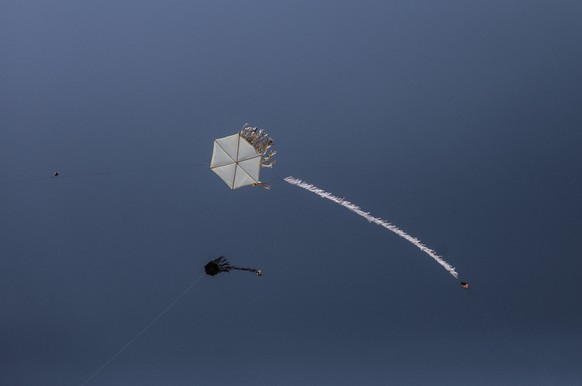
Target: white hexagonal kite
[(238, 158)]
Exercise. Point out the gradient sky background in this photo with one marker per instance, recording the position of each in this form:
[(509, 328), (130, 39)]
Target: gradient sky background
[(460, 122)]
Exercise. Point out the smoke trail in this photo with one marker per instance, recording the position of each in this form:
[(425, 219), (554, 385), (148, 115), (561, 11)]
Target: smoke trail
[(356, 209)]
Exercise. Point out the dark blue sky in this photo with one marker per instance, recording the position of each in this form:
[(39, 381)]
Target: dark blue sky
[(458, 121)]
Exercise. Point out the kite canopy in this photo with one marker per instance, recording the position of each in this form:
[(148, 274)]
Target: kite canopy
[(236, 161), (238, 158), (216, 266)]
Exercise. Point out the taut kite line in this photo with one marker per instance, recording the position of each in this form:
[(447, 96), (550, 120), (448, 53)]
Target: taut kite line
[(393, 228)]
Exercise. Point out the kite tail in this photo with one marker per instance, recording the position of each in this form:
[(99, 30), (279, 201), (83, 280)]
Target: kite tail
[(257, 271), (378, 221)]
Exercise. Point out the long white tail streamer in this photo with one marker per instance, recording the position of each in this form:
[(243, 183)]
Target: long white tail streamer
[(356, 209)]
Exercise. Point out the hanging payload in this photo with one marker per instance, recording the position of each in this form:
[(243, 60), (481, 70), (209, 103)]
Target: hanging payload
[(220, 264), (238, 158), (464, 284)]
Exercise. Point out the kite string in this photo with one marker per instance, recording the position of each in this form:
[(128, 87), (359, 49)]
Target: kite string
[(378, 221), (144, 329), (137, 170), (105, 172)]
